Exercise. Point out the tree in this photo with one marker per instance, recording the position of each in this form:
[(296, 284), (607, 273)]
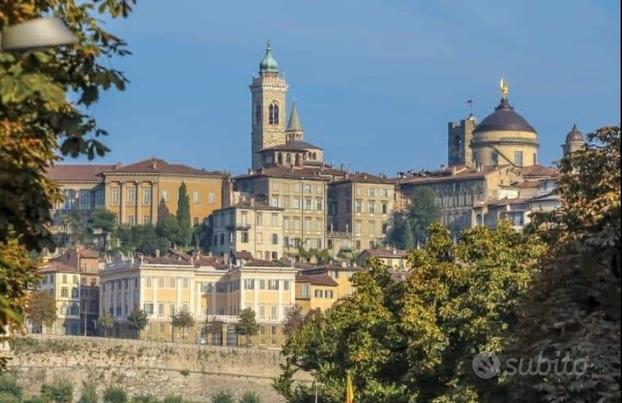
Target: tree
[(104, 221), (422, 213), (294, 320), (106, 323), (182, 319), (414, 340), (137, 320), (401, 236), (168, 228), (41, 309), (573, 306), (183, 215), (247, 325), (36, 116)]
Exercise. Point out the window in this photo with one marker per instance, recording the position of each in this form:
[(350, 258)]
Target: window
[(275, 313), (308, 203), (172, 309), (318, 293), (318, 204), (371, 206), (165, 195), (195, 197), (494, 157), (116, 193), (307, 189), (274, 201), (262, 312), (64, 292), (244, 237), (286, 285), (147, 196), (273, 284), (64, 279), (297, 187), (249, 284), (358, 206), (211, 197), (160, 309), (186, 283), (131, 196), (131, 220), (357, 227), (307, 224), (275, 220), (328, 293), (262, 284), (148, 308), (518, 158), (372, 227), (275, 239), (295, 202), (147, 219), (304, 293), (273, 113), (385, 208), (259, 219), (74, 310), (99, 198), (259, 238), (85, 200)]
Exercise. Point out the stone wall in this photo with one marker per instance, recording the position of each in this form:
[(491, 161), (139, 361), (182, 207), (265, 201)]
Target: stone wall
[(141, 367)]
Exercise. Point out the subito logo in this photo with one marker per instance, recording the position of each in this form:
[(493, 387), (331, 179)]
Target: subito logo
[(486, 365)]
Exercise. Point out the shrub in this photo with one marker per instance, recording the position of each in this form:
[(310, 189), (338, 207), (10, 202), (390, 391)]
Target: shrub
[(9, 386), (173, 399), (88, 394), (58, 392), (223, 397), (115, 395), (250, 397), (6, 397), (185, 372), (36, 399), (145, 399)]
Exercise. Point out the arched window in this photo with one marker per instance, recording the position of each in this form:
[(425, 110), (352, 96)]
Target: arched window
[(74, 309), (297, 159), (314, 156), (273, 114), (288, 158), (280, 158)]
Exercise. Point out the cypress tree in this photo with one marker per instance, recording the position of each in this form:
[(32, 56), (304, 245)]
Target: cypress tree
[(408, 240), (183, 214)]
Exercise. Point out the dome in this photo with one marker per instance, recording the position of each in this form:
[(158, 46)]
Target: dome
[(574, 134), (268, 64), (504, 118)]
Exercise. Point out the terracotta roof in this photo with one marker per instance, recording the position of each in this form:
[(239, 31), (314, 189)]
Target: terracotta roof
[(264, 263), (387, 253), (505, 202), (243, 254), (527, 184), (55, 266), (445, 175), (76, 172), (305, 172), (159, 166), (537, 170), (88, 253), (316, 279)]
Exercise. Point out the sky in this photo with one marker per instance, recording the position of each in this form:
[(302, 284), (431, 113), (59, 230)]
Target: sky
[(375, 82)]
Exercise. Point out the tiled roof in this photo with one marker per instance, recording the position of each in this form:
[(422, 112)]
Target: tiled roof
[(364, 177), (387, 253), (293, 145), (309, 173), (537, 170), (264, 263), (316, 279), (243, 254), (55, 266), (445, 175), (76, 172), (88, 253), (159, 166), (527, 184)]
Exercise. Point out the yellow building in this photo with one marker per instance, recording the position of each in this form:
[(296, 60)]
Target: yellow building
[(137, 193), (212, 291), (315, 291), (250, 226), (62, 281), (360, 206), (393, 258), (301, 193)]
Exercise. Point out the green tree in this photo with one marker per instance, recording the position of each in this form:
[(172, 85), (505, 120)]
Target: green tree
[(401, 236), (414, 340), (137, 320), (168, 228), (88, 393), (573, 306), (105, 323), (36, 116), (294, 320), (105, 222), (115, 394), (41, 309), (223, 397), (9, 386), (58, 391), (183, 320), (422, 213), (247, 325), (183, 215)]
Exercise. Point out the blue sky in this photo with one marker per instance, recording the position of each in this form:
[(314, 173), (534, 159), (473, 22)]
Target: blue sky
[(375, 81)]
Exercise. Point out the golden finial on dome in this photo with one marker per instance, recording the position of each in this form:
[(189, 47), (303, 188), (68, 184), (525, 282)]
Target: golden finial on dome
[(505, 89)]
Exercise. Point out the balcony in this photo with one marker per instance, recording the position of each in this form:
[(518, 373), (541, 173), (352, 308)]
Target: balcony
[(238, 227)]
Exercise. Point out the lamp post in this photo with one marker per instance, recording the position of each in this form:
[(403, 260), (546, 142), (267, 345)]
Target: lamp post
[(39, 33)]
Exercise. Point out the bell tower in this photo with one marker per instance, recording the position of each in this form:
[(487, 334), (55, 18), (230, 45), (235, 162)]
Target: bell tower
[(268, 103)]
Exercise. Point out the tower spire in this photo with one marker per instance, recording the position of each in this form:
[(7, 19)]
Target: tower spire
[(294, 120)]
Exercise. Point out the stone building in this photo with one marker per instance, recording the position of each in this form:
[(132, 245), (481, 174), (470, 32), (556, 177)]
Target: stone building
[(574, 141), (360, 206), (248, 225), (459, 140)]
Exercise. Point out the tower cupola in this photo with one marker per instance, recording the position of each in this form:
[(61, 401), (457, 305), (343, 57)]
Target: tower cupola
[(268, 64)]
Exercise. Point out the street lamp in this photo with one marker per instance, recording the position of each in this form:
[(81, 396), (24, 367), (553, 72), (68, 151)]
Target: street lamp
[(39, 33)]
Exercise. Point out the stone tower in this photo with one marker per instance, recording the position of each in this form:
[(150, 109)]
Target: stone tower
[(459, 138), (294, 131), (269, 92), (574, 141)]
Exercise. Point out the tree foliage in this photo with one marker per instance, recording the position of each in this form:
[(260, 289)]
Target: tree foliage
[(137, 320), (36, 117), (59, 391), (41, 309), (410, 229), (106, 323), (141, 238), (574, 304), (412, 341), (247, 325), (183, 215), (183, 320)]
